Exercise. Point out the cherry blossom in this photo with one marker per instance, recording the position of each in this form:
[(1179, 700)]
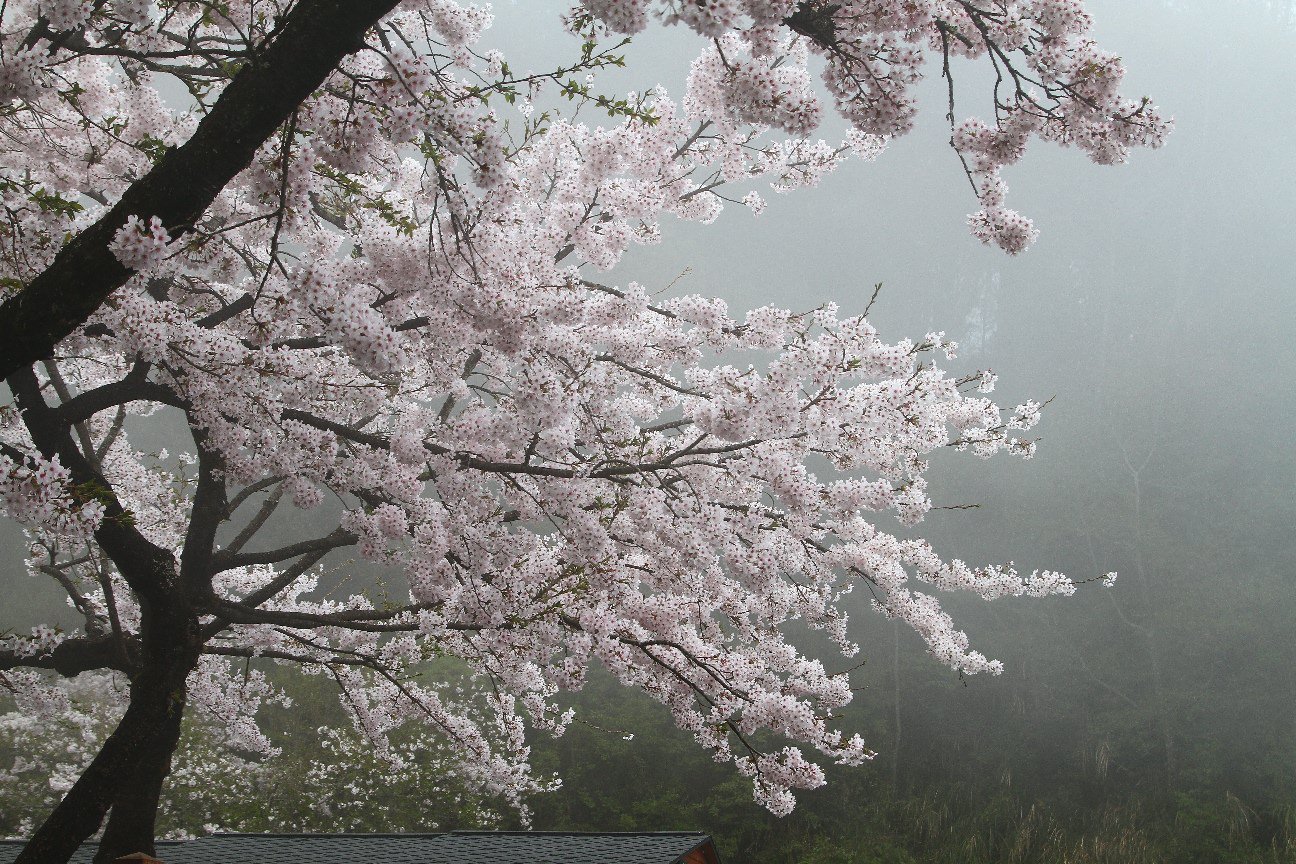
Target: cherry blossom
[(399, 331), (139, 246)]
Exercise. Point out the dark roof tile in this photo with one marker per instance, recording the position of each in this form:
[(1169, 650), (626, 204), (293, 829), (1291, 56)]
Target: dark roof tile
[(459, 847)]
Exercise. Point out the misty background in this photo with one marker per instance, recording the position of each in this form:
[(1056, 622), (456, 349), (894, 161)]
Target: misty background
[(1156, 310)]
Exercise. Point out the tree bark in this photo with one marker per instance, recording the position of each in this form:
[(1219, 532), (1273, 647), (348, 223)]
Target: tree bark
[(136, 756), (315, 37), (132, 821), (156, 706), (128, 771)]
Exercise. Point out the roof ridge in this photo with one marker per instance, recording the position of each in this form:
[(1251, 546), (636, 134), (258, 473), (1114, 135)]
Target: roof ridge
[(259, 834), (472, 831)]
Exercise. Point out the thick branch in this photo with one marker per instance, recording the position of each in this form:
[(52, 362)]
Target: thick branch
[(71, 657), (205, 515), (133, 388), (315, 37), (367, 620), (276, 654)]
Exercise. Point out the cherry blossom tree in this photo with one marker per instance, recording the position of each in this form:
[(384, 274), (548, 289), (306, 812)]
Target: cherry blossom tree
[(365, 261)]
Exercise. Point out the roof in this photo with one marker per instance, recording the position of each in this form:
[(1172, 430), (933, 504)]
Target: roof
[(457, 847)]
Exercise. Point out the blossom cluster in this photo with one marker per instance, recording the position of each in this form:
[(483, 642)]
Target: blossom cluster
[(140, 246), (38, 495), (1055, 82)]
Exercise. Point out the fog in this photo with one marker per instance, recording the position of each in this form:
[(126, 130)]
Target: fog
[(1157, 312)]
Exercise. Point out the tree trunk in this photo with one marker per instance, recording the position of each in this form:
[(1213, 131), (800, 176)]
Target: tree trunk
[(132, 822), (132, 763)]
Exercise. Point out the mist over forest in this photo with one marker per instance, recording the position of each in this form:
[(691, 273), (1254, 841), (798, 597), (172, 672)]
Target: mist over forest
[(1157, 717), (1151, 721)]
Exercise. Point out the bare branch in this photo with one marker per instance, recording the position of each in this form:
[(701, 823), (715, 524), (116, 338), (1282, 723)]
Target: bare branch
[(224, 561)]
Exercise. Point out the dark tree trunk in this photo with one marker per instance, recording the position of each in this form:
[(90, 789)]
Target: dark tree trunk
[(128, 771), (137, 753), (127, 757), (132, 821)]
